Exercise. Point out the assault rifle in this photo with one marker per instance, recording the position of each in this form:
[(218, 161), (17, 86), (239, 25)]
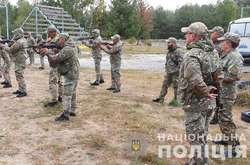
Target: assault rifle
[(6, 41), (9, 42), (42, 45)]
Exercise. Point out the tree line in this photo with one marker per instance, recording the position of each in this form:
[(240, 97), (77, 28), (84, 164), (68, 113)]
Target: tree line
[(133, 18)]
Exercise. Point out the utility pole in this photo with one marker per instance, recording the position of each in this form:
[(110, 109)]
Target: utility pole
[(7, 18)]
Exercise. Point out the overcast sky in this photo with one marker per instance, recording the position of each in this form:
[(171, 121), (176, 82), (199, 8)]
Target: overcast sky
[(167, 4)]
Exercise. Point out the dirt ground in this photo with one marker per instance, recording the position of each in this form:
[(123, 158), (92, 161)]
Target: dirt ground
[(101, 132)]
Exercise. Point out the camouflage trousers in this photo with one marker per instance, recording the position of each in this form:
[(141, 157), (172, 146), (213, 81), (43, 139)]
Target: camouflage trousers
[(115, 77), (99, 75), (197, 117), (69, 95), (19, 72), (42, 61), (168, 80), (31, 55), (225, 120), (55, 84), (6, 73)]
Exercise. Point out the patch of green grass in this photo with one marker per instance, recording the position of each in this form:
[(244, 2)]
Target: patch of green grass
[(174, 103)]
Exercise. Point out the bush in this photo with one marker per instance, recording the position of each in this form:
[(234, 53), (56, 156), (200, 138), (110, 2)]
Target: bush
[(148, 43), (132, 40)]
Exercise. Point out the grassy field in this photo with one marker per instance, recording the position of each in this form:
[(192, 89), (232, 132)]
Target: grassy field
[(137, 49), (101, 132)]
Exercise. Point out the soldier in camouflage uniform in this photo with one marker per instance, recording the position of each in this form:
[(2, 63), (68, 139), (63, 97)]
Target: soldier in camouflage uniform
[(40, 40), (231, 62), (97, 56), (6, 68), (19, 53), (55, 85), (67, 64), (30, 42), (194, 90), (216, 33), (172, 66), (115, 52)]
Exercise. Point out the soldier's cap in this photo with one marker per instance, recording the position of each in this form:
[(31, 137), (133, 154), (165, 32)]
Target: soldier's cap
[(171, 40), (217, 29), (18, 31), (52, 28), (27, 34), (116, 36), (64, 35), (235, 38), (197, 28), (97, 31)]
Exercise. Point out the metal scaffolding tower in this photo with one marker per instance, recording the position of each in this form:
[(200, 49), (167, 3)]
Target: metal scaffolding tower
[(42, 16)]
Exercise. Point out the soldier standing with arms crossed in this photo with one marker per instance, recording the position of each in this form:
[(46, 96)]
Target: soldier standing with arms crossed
[(196, 74), (96, 54), (231, 62), (67, 64), (115, 52), (172, 66)]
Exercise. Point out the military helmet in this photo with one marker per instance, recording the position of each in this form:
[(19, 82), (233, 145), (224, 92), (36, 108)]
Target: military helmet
[(52, 28), (64, 35), (171, 40), (116, 36), (217, 29), (235, 38), (196, 28), (96, 31)]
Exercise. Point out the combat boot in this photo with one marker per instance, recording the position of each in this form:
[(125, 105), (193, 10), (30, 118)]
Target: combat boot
[(62, 117), (158, 100), (4, 82), (72, 114), (22, 94), (8, 85), (60, 99), (116, 91), (51, 104), (96, 83), (102, 81), (16, 92), (110, 89)]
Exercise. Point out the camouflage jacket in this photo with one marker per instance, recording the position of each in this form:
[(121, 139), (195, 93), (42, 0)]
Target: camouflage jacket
[(6, 58), (17, 51), (231, 64), (115, 54), (93, 44), (196, 70), (173, 61), (31, 41), (66, 61)]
